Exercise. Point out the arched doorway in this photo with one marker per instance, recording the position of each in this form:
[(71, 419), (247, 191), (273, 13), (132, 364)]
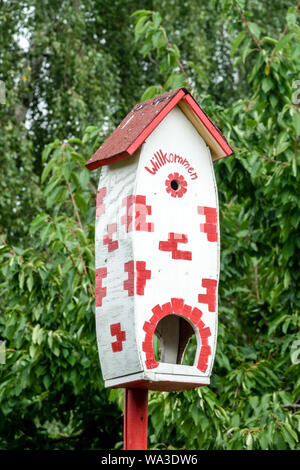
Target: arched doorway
[(174, 323), (173, 334)]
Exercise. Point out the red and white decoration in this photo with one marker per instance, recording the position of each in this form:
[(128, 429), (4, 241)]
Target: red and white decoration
[(157, 245), (176, 185)]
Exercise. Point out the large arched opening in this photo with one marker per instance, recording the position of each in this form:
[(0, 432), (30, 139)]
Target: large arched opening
[(174, 324), (174, 341)]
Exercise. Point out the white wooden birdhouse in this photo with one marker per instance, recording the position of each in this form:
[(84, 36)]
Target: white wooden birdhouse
[(158, 244)]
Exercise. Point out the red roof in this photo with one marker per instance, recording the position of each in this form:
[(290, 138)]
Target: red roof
[(145, 117)]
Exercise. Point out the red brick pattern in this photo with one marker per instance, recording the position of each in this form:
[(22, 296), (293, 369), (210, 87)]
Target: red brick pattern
[(129, 283), (171, 245), (142, 275), (210, 298), (115, 330), (100, 207), (107, 239), (137, 209), (141, 212), (100, 291), (211, 221), (127, 219), (176, 306)]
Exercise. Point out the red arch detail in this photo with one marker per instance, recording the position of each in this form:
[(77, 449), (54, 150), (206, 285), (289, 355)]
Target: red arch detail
[(176, 306)]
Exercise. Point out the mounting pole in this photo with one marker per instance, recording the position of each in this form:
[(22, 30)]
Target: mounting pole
[(135, 418)]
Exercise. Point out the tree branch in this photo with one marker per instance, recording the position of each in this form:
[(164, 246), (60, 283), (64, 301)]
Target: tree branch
[(254, 38), (274, 161), (74, 206), (179, 63), (80, 225), (291, 406), (64, 145), (256, 284), (66, 248), (84, 266), (284, 32)]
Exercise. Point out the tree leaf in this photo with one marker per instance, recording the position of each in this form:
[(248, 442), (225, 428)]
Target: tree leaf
[(236, 42)]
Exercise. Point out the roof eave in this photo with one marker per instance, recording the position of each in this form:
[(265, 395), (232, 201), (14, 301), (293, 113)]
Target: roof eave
[(206, 128), (93, 165)]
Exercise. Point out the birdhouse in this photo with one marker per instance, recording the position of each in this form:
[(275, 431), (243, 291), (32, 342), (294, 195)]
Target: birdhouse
[(158, 245)]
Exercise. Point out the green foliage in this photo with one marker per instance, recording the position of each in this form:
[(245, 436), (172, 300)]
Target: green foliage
[(152, 34), (61, 63), (252, 402), (243, 70), (51, 391)]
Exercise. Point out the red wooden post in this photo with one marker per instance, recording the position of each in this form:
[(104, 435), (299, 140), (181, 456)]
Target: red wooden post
[(135, 419)]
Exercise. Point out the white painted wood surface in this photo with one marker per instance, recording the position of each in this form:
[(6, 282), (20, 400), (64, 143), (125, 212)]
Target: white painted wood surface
[(170, 278)]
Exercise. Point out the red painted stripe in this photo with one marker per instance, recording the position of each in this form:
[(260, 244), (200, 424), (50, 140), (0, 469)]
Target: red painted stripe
[(153, 124), (209, 125)]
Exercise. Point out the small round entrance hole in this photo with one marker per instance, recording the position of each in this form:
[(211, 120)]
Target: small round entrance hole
[(175, 185)]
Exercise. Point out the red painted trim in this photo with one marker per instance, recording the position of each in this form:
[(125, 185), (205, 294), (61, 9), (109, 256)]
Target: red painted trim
[(107, 161), (148, 327), (195, 316), (209, 125), (176, 306), (153, 124), (167, 308), (135, 419), (181, 94)]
